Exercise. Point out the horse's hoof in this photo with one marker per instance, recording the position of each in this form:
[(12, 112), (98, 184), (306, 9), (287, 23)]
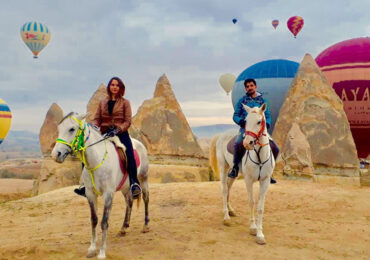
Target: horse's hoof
[(260, 240), (91, 253), (101, 256), (232, 213), (227, 222), (122, 233), (145, 229), (253, 231)]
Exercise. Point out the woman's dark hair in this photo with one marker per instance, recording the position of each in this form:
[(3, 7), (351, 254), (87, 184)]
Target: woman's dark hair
[(121, 86), (249, 80)]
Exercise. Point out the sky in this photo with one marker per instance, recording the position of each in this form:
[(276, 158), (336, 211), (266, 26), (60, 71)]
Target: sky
[(193, 42)]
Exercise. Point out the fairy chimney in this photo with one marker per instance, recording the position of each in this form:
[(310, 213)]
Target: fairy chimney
[(313, 114), (161, 125), (92, 106), (49, 129)]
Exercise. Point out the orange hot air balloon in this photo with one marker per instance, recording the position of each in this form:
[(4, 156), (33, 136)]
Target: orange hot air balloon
[(295, 24)]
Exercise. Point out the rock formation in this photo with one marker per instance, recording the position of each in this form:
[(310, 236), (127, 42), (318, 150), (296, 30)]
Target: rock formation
[(54, 175), (313, 116), (162, 127), (92, 106), (49, 129)]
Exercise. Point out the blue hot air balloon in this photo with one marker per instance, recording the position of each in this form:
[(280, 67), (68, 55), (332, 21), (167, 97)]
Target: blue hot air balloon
[(235, 20), (273, 78)]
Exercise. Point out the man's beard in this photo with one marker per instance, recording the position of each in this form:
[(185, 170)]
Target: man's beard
[(251, 93)]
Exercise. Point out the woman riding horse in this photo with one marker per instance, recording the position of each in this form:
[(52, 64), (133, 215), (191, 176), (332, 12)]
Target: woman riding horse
[(113, 116)]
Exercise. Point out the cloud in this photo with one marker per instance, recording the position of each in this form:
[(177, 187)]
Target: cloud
[(193, 42)]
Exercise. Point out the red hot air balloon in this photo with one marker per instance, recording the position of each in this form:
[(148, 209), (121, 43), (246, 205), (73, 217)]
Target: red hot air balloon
[(275, 23), (295, 24), (346, 66)]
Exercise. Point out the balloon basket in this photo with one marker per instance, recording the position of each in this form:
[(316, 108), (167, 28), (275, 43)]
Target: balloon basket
[(35, 57)]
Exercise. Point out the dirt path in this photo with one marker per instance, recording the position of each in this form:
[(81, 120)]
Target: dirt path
[(303, 220)]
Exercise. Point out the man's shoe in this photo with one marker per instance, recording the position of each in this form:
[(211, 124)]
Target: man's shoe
[(234, 172), (135, 190), (272, 181), (81, 191)]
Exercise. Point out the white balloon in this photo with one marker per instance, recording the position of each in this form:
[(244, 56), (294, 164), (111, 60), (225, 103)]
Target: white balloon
[(227, 81)]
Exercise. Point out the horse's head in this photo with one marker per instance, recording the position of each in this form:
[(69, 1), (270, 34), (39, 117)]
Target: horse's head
[(255, 125), (70, 129)]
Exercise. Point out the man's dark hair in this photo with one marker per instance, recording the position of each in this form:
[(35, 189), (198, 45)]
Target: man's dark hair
[(249, 80)]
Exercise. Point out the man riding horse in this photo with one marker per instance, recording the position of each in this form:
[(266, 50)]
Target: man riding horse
[(252, 98)]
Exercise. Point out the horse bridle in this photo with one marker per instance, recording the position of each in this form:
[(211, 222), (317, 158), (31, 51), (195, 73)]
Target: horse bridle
[(259, 134)]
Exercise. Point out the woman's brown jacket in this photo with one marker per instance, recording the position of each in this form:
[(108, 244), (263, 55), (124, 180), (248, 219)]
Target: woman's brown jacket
[(121, 115)]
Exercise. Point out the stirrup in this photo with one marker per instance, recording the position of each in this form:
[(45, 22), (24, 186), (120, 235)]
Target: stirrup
[(234, 172), (81, 191), (137, 188)]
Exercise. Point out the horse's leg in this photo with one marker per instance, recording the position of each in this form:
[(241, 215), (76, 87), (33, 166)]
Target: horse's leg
[(108, 198), (145, 188), (230, 182), (260, 239), (91, 198), (126, 222), (249, 185), (225, 192)]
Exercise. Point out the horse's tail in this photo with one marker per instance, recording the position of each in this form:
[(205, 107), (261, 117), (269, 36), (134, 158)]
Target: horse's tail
[(213, 157)]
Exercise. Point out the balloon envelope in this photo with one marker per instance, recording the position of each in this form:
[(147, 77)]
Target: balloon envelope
[(227, 81), (346, 66), (235, 20), (273, 78), (295, 24), (5, 120), (275, 23), (36, 36)]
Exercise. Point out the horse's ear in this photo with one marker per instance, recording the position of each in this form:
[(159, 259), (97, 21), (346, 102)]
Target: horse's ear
[(81, 117), (247, 108), (263, 108)]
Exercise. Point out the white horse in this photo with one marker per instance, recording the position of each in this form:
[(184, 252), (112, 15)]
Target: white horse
[(102, 173), (257, 165)]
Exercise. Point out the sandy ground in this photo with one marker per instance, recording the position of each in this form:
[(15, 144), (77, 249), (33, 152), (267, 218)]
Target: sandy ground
[(303, 220), (11, 189)]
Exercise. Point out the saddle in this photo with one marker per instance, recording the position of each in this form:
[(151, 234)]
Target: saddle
[(231, 144), (121, 152)]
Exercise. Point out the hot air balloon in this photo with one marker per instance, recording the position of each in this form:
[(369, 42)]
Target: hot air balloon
[(273, 78), (5, 120), (295, 24), (346, 66), (275, 23), (36, 36), (227, 81), (235, 20)]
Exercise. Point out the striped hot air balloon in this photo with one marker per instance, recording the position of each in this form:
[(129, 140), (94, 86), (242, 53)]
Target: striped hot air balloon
[(295, 24), (5, 120), (275, 23), (36, 36)]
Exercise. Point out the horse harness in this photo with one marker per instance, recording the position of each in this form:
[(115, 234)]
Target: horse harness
[(78, 148), (257, 141)]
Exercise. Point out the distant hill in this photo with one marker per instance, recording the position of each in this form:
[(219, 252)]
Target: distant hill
[(20, 144), (211, 130)]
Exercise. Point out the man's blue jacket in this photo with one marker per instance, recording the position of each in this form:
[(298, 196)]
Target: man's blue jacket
[(240, 113)]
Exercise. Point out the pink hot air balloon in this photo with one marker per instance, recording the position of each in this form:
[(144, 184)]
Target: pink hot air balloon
[(295, 24), (275, 23)]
